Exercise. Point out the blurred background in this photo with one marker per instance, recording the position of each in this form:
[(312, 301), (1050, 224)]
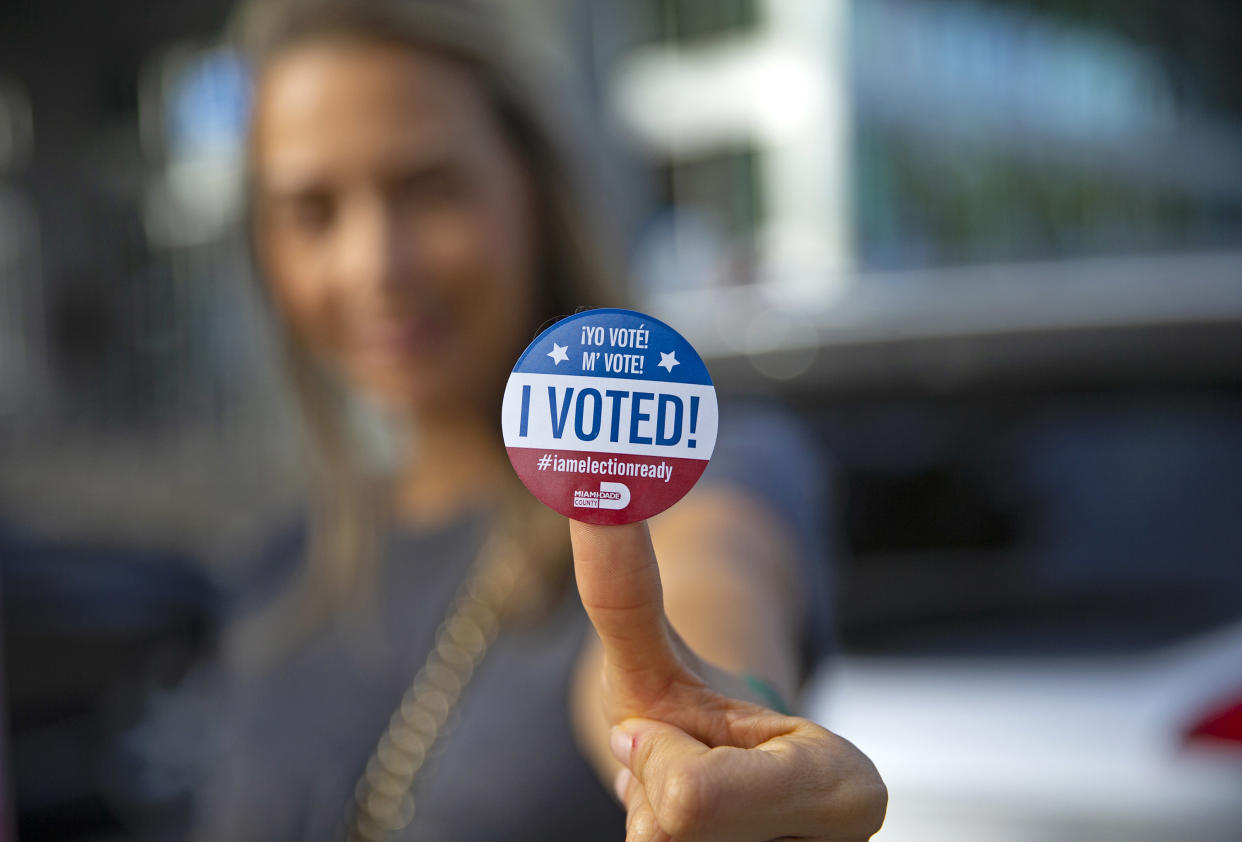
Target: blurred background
[(991, 251)]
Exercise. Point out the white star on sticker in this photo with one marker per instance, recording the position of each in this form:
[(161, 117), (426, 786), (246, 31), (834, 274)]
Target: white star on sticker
[(558, 354), (668, 361)]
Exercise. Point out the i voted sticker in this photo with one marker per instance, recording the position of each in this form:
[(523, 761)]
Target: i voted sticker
[(609, 416)]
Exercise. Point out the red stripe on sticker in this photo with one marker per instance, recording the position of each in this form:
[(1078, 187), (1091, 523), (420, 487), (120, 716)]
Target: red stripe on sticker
[(605, 488)]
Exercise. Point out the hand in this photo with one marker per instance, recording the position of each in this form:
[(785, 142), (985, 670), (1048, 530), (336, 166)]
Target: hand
[(698, 765)]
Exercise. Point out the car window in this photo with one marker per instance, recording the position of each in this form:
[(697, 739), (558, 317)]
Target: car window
[(1040, 523)]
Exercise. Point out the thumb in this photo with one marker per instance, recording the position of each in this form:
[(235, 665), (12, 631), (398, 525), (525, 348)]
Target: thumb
[(692, 791), (619, 582)]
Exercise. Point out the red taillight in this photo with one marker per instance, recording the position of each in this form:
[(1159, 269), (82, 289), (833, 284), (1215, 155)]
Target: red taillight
[(1222, 724)]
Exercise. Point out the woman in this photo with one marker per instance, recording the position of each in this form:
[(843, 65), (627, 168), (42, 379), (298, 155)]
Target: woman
[(414, 224)]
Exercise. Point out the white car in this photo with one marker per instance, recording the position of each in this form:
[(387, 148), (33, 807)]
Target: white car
[(1041, 608), (1050, 749)]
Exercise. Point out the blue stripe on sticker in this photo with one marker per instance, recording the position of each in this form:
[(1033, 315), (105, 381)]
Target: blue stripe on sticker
[(614, 343)]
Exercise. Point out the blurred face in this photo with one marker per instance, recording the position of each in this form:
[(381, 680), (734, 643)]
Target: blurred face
[(394, 222)]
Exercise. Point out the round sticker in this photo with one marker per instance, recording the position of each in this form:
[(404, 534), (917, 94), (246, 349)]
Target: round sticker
[(609, 416)]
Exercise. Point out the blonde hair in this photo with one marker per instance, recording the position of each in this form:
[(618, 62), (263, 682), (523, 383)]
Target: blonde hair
[(348, 507)]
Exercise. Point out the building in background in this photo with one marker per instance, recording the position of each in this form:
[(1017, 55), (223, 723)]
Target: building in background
[(802, 144)]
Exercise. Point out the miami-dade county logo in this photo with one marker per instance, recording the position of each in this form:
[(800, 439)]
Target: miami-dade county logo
[(609, 416), (611, 495)]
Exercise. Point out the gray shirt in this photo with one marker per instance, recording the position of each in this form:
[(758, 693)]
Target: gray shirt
[(287, 745)]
